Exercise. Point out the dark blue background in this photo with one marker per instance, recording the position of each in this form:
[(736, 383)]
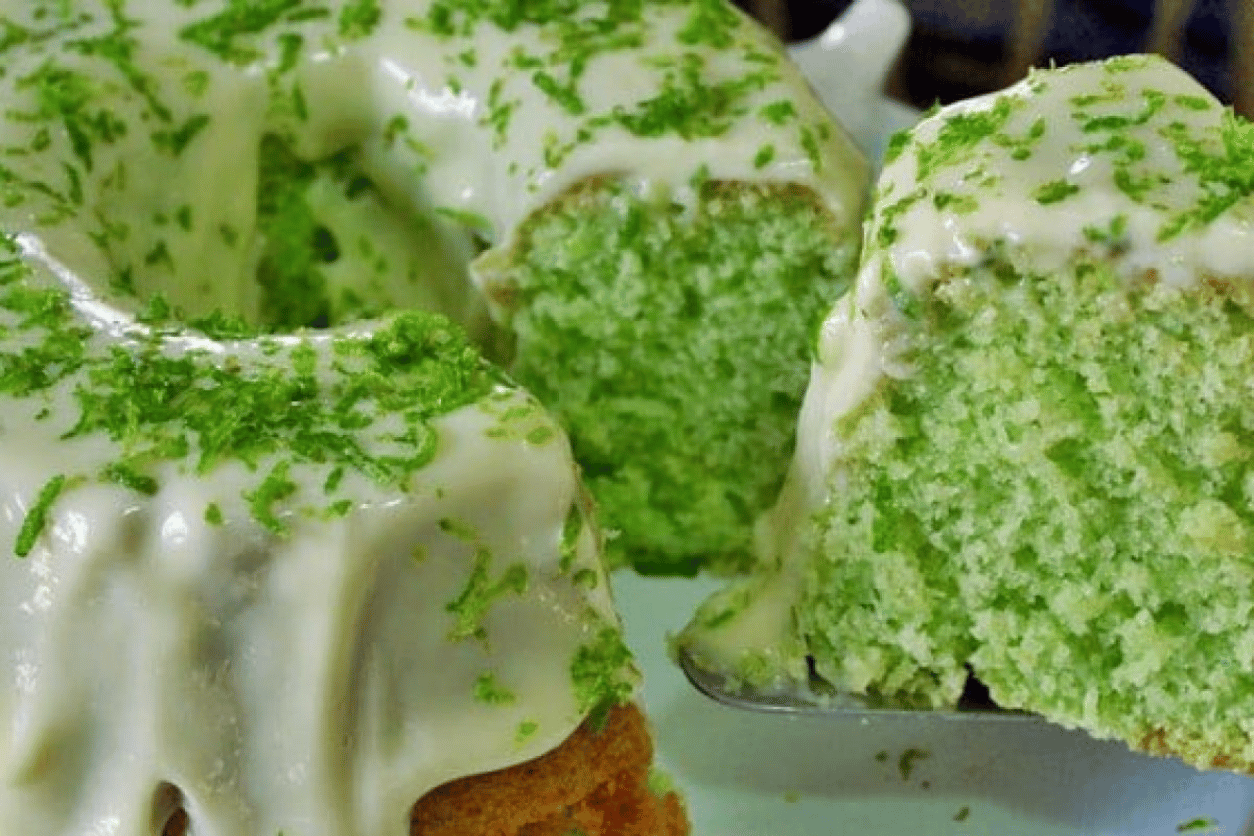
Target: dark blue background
[(952, 55)]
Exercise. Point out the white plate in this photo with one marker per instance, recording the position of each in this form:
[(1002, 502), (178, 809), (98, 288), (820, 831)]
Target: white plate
[(748, 774)]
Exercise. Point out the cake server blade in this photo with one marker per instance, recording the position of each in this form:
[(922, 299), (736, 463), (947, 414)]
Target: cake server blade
[(819, 699)]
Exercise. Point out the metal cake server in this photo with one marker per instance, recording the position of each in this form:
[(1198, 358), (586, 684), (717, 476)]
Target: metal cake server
[(820, 699)]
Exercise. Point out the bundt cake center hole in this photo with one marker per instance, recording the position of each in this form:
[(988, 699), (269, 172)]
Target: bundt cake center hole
[(338, 242), (330, 239)]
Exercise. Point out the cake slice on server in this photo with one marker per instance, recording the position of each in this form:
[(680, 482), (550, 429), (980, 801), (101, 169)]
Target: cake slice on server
[(1026, 446)]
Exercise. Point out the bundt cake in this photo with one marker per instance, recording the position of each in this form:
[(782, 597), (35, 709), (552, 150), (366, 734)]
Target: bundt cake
[(288, 554)]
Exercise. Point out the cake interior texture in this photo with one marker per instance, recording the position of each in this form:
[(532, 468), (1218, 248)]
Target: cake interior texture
[(672, 341), (1057, 497), (1055, 493)]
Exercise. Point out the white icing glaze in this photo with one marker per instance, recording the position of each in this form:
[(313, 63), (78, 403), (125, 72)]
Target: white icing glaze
[(281, 683), (989, 196), (1007, 210), (302, 684)]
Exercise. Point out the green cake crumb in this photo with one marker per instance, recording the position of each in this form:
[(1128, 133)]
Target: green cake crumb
[(678, 379), (1197, 825), (1119, 476), (963, 814)]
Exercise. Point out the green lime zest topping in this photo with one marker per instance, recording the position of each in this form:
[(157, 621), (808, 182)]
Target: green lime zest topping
[(886, 230), (1055, 191), (480, 592), (499, 113), (1125, 63), (37, 516), (1021, 146), (196, 82), (220, 33), (566, 95), (276, 487), (175, 139), (1154, 102), (125, 474), (490, 692), (897, 143), (712, 23), (959, 204), (690, 106), (458, 529), (692, 102), (572, 529), (779, 112), (1136, 188), (359, 18), (1193, 102), (602, 672), (70, 97), (1225, 174), (810, 144), (526, 729), (168, 407), (38, 367), (1112, 235), (962, 133)]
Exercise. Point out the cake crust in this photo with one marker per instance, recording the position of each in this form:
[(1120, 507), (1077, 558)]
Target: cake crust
[(596, 783)]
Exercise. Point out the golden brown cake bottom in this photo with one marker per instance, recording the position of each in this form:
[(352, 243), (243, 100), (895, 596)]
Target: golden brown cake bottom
[(594, 784)]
